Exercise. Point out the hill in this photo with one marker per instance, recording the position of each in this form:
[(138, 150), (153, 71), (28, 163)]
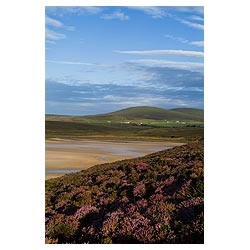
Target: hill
[(157, 198), (195, 113), (145, 112)]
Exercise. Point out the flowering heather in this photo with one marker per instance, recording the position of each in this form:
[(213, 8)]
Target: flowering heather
[(83, 211), (141, 166), (139, 190), (157, 198)]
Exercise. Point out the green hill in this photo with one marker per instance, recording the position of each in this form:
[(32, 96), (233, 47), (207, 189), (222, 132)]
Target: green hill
[(196, 113), (145, 112), (157, 198)]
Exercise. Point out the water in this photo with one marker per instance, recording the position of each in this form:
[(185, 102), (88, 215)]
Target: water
[(104, 159), (120, 149), (61, 171)]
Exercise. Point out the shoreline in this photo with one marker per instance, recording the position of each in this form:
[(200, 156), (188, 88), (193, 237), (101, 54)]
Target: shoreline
[(70, 154)]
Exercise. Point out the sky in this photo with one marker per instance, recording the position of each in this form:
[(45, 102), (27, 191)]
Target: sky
[(102, 59)]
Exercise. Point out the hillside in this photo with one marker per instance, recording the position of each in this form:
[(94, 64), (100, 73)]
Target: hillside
[(157, 198), (195, 113), (145, 112)]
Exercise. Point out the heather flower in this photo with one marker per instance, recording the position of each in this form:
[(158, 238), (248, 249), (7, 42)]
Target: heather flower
[(111, 223), (83, 211), (163, 232), (191, 203), (50, 241), (156, 197), (160, 212), (137, 227), (63, 229), (186, 209), (193, 175), (130, 202), (141, 166), (185, 187), (139, 190), (105, 200), (169, 181), (131, 209), (124, 199), (142, 203)]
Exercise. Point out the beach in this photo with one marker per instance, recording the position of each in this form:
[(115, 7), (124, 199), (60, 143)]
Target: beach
[(65, 156)]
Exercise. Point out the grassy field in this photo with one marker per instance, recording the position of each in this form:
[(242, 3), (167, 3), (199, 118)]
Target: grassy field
[(115, 130), (138, 123)]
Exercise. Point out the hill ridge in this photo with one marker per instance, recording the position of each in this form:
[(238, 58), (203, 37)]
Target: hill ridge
[(148, 112)]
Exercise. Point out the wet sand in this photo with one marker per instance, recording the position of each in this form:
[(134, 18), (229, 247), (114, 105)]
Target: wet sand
[(72, 155)]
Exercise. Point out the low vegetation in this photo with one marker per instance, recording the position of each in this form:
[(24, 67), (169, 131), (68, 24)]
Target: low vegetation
[(157, 198), (137, 123)]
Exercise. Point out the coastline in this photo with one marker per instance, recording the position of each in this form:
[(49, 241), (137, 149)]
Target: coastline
[(69, 154)]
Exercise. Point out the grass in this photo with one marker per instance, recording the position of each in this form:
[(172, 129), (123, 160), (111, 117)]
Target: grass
[(136, 123), (115, 130)]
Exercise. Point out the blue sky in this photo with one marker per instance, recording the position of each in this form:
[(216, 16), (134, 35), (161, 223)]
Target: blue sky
[(101, 59)]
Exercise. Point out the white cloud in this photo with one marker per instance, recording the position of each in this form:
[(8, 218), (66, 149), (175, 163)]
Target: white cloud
[(143, 100), (52, 22), (70, 63), (52, 35), (83, 10), (183, 40), (71, 28), (193, 66), (179, 39), (155, 12), (162, 52), (116, 15), (191, 9), (191, 24), (198, 43), (196, 18)]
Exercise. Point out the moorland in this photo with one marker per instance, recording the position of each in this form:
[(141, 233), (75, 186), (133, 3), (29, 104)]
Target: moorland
[(154, 198)]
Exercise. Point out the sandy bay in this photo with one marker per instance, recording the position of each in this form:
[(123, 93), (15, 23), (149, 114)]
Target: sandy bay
[(64, 156)]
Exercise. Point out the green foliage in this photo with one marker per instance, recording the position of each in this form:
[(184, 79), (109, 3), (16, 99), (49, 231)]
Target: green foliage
[(132, 123)]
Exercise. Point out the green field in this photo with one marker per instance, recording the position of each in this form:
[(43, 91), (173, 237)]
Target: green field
[(133, 123)]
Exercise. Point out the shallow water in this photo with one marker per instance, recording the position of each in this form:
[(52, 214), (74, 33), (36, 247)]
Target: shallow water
[(125, 149), (104, 159), (61, 171), (104, 150)]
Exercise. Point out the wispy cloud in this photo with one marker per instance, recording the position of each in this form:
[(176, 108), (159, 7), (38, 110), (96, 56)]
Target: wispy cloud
[(52, 35), (192, 66), (70, 63), (198, 43), (53, 22), (176, 38), (186, 41), (191, 24), (116, 15), (162, 52), (83, 10), (196, 18), (189, 9), (154, 12), (71, 28)]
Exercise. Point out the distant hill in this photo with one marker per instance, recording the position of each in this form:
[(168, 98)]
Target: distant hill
[(157, 198), (146, 112)]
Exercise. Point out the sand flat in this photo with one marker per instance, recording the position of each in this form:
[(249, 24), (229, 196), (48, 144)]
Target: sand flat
[(82, 154)]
